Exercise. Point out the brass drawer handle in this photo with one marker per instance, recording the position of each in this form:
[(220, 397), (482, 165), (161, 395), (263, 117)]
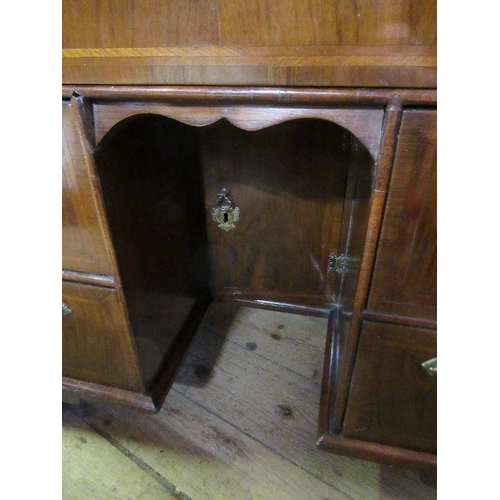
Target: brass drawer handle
[(430, 366), (66, 311)]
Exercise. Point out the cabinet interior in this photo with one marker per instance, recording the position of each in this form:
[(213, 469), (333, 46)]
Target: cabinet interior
[(303, 189)]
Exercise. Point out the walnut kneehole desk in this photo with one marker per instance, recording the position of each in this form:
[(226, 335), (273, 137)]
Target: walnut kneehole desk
[(289, 164)]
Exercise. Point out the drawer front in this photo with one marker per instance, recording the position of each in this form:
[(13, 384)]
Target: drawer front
[(96, 343), (84, 233), (392, 399), (404, 281)]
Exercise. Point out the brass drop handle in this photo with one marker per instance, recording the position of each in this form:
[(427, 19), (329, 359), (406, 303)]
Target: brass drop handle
[(430, 366), (225, 213), (223, 199), (66, 311)]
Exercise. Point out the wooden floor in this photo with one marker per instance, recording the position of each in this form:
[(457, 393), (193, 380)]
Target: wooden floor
[(239, 423)]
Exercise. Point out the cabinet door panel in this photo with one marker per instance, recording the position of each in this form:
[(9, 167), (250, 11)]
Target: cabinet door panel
[(404, 281), (392, 399), (96, 343), (288, 181), (84, 230)]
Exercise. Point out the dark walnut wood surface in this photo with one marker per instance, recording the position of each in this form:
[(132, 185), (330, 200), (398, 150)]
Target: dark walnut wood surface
[(392, 398), (253, 96), (288, 178), (405, 275), (306, 187), (270, 42), (84, 232), (95, 344)]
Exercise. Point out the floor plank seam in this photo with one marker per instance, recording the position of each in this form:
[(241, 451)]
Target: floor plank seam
[(319, 478), (163, 481), (271, 360)]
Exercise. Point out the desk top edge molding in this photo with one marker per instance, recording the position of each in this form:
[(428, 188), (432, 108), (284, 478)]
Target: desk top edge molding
[(316, 96)]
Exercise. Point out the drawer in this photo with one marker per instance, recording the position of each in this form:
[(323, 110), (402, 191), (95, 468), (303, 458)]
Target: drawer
[(97, 345), (404, 280), (392, 399), (85, 242)]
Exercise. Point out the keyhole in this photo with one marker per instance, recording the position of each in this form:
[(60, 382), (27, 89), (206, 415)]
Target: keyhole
[(225, 217)]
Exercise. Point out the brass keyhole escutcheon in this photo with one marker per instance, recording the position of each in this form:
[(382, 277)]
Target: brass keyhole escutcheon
[(225, 212)]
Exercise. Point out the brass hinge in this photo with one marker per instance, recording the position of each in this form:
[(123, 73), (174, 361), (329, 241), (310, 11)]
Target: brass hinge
[(338, 263)]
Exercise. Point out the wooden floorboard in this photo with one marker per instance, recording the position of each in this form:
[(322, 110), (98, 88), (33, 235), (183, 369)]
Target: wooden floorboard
[(239, 423), (293, 341), (94, 467)]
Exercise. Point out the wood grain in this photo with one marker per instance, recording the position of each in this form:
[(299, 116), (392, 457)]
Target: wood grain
[(294, 395), (96, 343), (283, 96), (84, 232), (274, 336), (75, 391), (364, 124), (118, 23), (355, 219), (281, 71), (215, 42), (373, 47), (288, 183), (279, 23), (225, 455), (155, 204), (287, 179), (155, 209), (255, 120), (289, 56), (313, 22), (384, 454), (340, 386), (405, 281), (205, 456), (92, 466), (392, 399)]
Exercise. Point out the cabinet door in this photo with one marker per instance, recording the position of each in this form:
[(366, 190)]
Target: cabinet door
[(84, 230), (404, 281), (96, 343), (392, 399)]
